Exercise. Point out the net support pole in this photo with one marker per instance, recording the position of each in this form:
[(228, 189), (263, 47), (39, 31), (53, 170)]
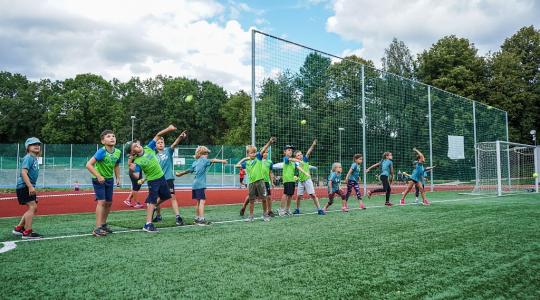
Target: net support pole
[(364, 154), (430, 141), (124, 165), (43, 177), (499, 179), (253, 87), (17, 168), (476, 169), (70, 164), (536, 166), (508, 150), (222, 169)]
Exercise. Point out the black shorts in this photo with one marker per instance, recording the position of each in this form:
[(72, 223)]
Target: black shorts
[(158, 188), (135, 186), (288, 188), (170, 183), (268, 188), (23, 196), (198, 194)]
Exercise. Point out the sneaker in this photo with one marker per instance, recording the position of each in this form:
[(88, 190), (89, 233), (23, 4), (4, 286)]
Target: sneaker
[(242, 211), (281, 212), (426, 202), (202, 222), (321, 212), (296, 211), (388, 204), (18, 231), (249, 219), (402, 201), (157, 218), (138, 205), (30, 235), (179, 221), (271, 214), (344, 209), (362, 206), (150, 228), (99, 232), (106, 228), (266, 218), (127, 203), (288, 212)]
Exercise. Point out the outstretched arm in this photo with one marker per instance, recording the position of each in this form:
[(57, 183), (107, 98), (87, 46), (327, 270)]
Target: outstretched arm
[(214, 160), (348, 174), (419, 153), (180, 174), (164, 131), (239, 164), (270, 142), (308, 153), (180, 138), (373, 166)]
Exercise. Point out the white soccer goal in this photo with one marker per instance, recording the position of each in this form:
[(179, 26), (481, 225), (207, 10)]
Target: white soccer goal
[(504, 167)]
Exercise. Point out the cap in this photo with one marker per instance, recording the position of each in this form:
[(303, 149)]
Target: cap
[(127, 147), (288, 147), (31, 141)]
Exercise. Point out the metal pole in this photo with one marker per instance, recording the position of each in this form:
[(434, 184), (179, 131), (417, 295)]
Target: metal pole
[(222, 168), (17, 168), (43, 177), (339, 133), (536, 166), (499, 180), (124, 167), (70, 165), (253, 120), (364, 154), (132, 127), (430, 141), (476, 169), (508, 150)]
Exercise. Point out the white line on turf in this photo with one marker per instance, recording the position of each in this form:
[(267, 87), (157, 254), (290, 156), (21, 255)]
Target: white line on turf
[(10, 245)]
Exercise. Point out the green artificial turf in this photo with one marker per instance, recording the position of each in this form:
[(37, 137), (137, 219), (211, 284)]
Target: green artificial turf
[(471, 248)]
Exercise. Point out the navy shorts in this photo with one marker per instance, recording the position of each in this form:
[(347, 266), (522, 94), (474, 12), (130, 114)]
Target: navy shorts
[(23, 196), (170, 184), (198, 194), (268, 188), (288, 188), (103, 191), (135, 186), (158, 188)]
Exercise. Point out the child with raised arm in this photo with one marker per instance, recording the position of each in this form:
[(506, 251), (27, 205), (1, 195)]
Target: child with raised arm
[(417, 190), (147, 159), (334, 183), (165, 157), (387, 176), (269, 182), (137, 180), (290, 165), (102, 166), (304, 180), (26, 192), (199, 167), (353, 178), (417, 178)]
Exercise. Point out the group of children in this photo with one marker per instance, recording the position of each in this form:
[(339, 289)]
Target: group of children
[(155, 161)]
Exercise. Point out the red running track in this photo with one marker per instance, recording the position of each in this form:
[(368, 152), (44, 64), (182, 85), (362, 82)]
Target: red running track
[(53, 203)]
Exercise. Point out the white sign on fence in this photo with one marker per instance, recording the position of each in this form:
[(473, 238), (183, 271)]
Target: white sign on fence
[(456, 147)]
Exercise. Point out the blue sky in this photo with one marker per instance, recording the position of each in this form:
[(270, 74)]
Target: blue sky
[(211, 40)]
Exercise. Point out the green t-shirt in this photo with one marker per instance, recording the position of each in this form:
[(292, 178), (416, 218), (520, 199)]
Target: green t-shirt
[(255, 168), (106, 161), (267, 168), (288, 170), (149, 163), (305, 166)]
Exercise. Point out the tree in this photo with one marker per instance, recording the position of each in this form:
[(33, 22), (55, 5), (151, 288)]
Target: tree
[(398, 59), (237, 115)]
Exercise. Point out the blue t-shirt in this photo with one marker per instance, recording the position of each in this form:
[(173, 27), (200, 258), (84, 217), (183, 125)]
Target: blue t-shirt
[(199, 167), (165, 158), (335, 179), (30, 163), (418, 173), (355, 174), (386, 165)]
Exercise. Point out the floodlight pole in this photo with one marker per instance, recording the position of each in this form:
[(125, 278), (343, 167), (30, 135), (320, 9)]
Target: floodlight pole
[(132, 126), (430, 142), (253, 87), (476, 169), (364, 158)]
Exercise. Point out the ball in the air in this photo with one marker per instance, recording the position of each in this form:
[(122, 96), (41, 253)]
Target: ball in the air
[(303, 122), (535, 175), (189, 98)]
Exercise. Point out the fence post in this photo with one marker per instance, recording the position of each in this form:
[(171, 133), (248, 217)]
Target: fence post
[(430, 141), (536, 166), (222, 168), (508, 150), (17, 168), (476, 171), (124, 167), (364, 154), (44, 158), (499, 180), (253, 87), (70, 165)]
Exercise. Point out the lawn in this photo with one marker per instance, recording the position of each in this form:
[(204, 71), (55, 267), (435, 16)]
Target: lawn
[(459, 247)]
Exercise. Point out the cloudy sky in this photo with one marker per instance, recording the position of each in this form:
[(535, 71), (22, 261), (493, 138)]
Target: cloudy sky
[(210, 40)]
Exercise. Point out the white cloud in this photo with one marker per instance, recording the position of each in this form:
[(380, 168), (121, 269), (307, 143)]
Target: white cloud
[(420, 23), (62, 38)]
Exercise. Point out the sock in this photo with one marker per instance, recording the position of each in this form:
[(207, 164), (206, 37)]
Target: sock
[(27, 231), (19, 228), (148, 223)]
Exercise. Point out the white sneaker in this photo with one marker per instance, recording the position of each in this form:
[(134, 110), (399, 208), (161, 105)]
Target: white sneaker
[(288, 213), (416, 201), (266, 218), (281, 212)]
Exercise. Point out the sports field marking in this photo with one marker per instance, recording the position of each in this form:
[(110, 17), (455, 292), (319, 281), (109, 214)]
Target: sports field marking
[(10, 245)]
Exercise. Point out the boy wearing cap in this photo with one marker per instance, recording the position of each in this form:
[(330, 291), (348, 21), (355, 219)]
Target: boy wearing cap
[(26, 192), (290, 165)]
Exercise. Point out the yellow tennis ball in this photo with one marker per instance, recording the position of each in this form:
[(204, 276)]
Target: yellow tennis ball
[(189, 98), (535, 175), (303, 122)]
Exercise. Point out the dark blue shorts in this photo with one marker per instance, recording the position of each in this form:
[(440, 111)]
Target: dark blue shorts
[(23, 196), (158, 188), (135, 186), (103, 191), (198, 194), (170, 184)]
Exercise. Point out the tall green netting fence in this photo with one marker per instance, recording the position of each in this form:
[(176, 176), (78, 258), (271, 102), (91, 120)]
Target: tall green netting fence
[(64, 165), (353, 108)]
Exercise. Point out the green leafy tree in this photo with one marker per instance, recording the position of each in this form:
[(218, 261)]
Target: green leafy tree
[(398, 59), (237, 115)]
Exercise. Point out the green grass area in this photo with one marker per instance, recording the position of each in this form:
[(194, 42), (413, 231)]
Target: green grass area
[(470, 248)]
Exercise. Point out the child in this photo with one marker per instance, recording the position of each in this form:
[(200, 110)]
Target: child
[(417, 190), (304, 180), (353, 178), (26, 192), (101, 166), (334, 182), (254, 166), (199, 167), (137, 180), (417, 178), (242, 174), (289, 180), (147, 159), (165, 156), (77, 186), (386, 177), (269, 182)]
